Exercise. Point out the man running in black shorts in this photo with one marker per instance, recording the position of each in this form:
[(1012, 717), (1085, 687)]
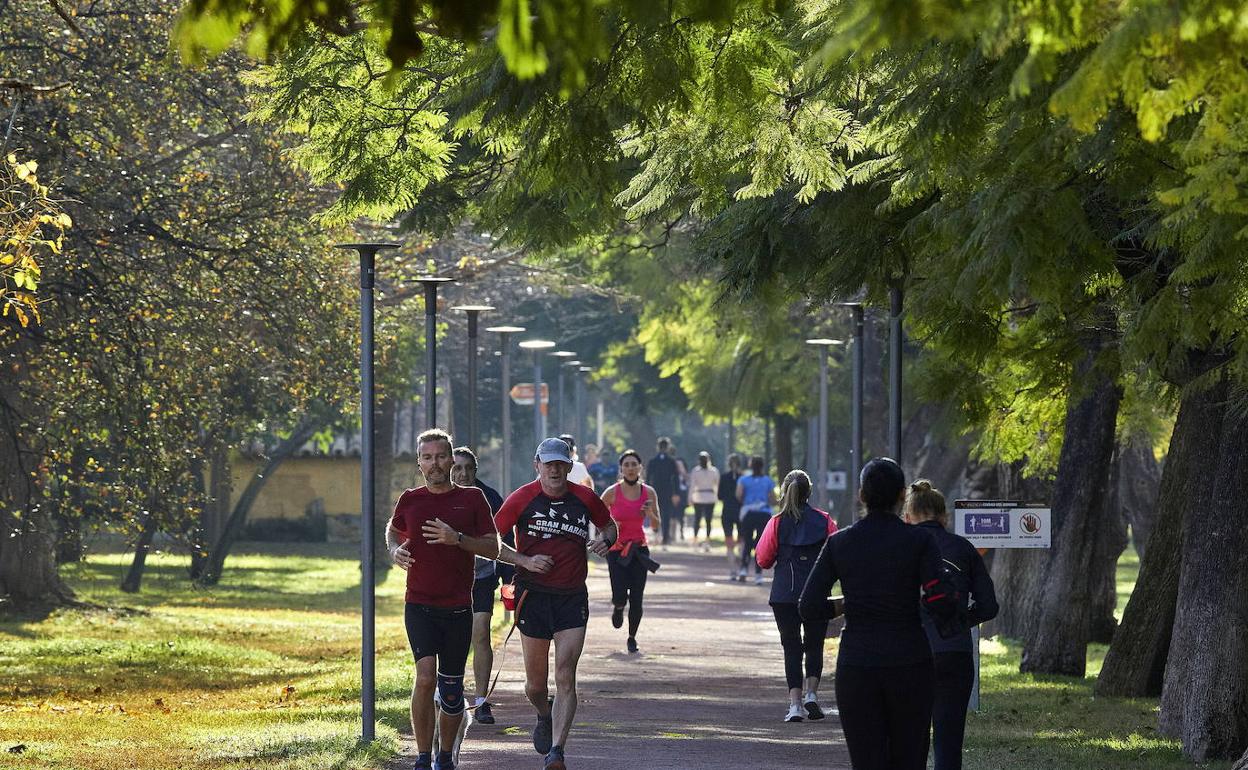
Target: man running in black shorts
[(435, 531), (551, 520), (464, 473)]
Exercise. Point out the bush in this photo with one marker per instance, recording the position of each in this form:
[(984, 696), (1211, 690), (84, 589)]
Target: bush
[(309, 529)]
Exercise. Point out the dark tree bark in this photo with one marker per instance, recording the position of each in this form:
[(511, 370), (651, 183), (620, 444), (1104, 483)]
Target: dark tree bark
[(1136, 661), (1110, 541), (1242, 764), (28, 576), (134, 576), (211, 574), (1057, 641), (1204, 700), (1139, 485), (785, 425)]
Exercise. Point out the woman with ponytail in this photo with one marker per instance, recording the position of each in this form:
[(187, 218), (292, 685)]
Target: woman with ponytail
[(632, 504), (792, 541)]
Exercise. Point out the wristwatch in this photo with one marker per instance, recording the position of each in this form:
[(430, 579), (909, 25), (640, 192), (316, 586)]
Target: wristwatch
[(459, 538)]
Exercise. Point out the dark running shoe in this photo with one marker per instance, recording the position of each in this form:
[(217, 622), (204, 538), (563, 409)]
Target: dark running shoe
[(554, 759), (617, 617), (813, 711), (543, 734), (423, 764), (483, 713), (445, 761), (632, 644)]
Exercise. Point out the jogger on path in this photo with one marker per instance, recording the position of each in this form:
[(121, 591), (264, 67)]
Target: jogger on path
[(551, 519), (632, 504)]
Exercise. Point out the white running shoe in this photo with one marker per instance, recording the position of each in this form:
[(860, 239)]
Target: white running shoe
[(796, 713), (811, 703), (758, 580), (741, 574)]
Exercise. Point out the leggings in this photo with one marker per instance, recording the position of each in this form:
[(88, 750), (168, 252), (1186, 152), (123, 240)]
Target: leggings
[(955, 674), (667, 513), (628, 584), (703, 511), (752, 527), (885, 713), (799, 639)]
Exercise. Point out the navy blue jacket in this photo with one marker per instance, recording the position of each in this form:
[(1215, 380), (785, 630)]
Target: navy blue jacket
[(792, 546)]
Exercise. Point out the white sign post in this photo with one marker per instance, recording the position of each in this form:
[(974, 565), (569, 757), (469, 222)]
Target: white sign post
[(1000, 524)]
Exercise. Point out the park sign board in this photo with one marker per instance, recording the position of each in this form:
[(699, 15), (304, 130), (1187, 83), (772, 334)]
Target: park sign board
[(522, 393), (1003, 523)]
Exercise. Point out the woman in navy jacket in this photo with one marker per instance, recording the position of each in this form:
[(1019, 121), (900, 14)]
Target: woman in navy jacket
[(791, 541)]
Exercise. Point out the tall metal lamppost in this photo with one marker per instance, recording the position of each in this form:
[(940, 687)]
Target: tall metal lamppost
[(431, 283), (581, 427), (473, 311), (504, 334), (561, 413), (855, 430), (537, 346), (821, 474), (896, 336), (368, 485)]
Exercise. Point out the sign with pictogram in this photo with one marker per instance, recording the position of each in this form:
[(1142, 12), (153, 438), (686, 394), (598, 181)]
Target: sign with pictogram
[(1003, 523), (522, 393)]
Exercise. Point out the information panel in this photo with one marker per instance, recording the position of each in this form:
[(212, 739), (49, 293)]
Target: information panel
[(1003, 523)]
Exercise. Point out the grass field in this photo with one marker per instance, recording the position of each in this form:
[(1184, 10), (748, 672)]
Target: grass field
[(261, 671)]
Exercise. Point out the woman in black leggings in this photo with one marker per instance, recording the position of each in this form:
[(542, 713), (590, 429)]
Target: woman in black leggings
[(955, 667), (632, 504), (884, 674)]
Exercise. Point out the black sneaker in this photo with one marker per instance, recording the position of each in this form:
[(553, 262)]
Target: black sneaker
[(423, 764), (554, 759), (483, 713), (617, 617), (543, 734), (813, 711), (445, 761), (632, 644)]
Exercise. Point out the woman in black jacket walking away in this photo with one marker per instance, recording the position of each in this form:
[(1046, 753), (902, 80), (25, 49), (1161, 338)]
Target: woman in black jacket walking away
[(955, 667), (792, 541), (884, 676)]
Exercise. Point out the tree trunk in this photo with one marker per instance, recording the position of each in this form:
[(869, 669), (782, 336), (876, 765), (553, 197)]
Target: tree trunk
[(134, 576), (1139, 485), (1136, 661), (1110, 541), (1242, 764), (1205, 697), (238, 517), (384, 416), (1057, 641), (785, 425), (28, 575)]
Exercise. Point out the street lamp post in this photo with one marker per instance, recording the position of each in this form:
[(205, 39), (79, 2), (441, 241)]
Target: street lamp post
[(431, 283), (561, 413), (821, 449), (583, 371), (368, 485), (504, 334), (894, 371), (537, 346), (473, 311), (855, 429)]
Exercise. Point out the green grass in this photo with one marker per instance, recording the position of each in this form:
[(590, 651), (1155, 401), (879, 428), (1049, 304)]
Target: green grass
[(262, 671)]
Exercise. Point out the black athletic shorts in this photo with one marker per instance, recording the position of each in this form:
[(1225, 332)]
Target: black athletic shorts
[(483, 594), (543, 614), (730, 520), (442, 631)]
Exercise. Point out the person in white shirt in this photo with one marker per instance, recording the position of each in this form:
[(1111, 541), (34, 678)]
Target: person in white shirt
[(703, 485), (580, 474)]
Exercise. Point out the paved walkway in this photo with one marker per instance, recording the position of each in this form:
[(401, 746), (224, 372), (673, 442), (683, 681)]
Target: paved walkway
[(706, 691)]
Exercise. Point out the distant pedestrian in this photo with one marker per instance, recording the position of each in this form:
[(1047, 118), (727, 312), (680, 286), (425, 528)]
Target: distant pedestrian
[(756, 491), (730, 511), (791, 542), (664, 477), (682, 492), (632, 505), (484, 589), (434, 534), (551, 519), (953, 655), (580, 473), (703, 481), (884, 676), (604, 471)]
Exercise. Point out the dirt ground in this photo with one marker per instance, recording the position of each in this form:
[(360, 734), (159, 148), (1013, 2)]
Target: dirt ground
[(706, 691)]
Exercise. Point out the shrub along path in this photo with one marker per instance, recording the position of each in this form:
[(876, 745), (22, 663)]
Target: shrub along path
[(706, 691)]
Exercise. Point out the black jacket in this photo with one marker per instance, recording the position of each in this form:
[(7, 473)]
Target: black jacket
[(964, 561)]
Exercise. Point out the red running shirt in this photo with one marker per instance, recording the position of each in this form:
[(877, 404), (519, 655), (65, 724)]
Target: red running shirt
[(558, 528), (629, 518), (441, 575)]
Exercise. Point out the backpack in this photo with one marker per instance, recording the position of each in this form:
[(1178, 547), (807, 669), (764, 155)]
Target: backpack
[(947, 600)]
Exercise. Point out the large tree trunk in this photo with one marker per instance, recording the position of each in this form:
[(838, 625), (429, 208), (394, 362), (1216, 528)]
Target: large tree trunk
[(1136, 661), (785, 426), (1205, 697), (1139, 485), (238, 517), (1057, 642), (1242, 764), (28, 575), (134, 576), (1109, 542)]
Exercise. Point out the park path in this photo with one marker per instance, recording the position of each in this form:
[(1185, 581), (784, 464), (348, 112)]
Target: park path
[(706, 691)]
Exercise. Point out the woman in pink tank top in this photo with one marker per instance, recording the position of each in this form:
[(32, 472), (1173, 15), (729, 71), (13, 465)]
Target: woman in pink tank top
[(632, 504)]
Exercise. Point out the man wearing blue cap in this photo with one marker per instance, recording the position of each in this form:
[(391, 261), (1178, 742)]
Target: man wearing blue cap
[(551, 521)]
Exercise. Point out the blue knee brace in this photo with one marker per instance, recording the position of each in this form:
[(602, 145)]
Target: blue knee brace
[(450, 694)]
